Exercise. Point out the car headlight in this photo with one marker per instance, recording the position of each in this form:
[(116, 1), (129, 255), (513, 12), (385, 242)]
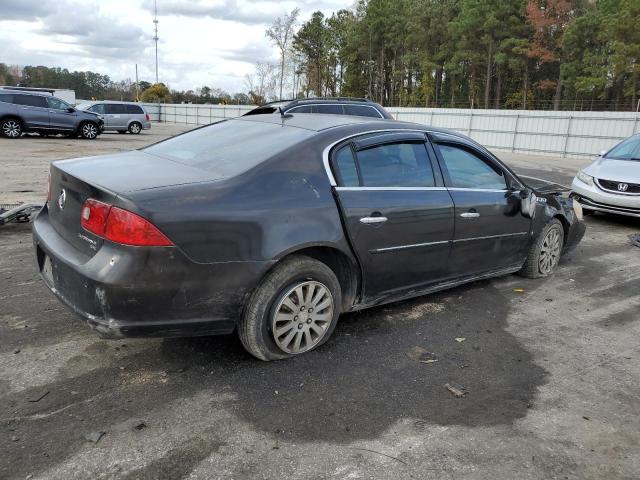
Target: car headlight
[(584, 178), (577, 208)]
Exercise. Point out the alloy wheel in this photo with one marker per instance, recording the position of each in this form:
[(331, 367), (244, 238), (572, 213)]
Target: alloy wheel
[(550, 251), (134, 128), (302, 317), (11, 128), (89, 130)]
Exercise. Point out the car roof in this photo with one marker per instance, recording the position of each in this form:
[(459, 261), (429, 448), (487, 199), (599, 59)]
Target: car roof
[(25, 92), (112, 101)]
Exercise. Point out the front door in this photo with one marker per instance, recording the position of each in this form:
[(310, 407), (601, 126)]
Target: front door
[(398, 216), (60, 118), (490, 231)]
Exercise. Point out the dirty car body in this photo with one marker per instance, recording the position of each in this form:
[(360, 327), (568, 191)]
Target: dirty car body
[(372, 211)]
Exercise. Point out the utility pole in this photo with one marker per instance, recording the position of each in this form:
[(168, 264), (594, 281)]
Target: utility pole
[(155, 28), (137, 85)]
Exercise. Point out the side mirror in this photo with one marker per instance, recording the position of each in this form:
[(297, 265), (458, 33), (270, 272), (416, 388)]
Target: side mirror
[(528, 202), (71, 109), (602, 153)]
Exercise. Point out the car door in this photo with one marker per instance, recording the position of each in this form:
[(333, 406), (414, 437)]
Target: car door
[(491, 233), (33, 110), (112, 116), (60, 118), (398, 215)]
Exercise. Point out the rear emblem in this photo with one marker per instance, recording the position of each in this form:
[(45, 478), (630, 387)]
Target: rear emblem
[(623, 187), (62, 199)]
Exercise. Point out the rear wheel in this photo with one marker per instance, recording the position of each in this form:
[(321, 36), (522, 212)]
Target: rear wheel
[(544, 254), (294, 310), (135, 128), (10, 128), (88, 130)]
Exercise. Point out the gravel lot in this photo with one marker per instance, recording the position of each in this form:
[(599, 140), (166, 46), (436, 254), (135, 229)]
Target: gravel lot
[(552, 373)]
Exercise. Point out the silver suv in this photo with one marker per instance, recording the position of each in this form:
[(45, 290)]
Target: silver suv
[(120, 116), (22, 112)]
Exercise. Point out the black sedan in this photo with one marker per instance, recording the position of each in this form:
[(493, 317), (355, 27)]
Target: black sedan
[(275, 225)]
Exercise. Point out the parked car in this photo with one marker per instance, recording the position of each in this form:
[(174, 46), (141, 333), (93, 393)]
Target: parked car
[(121, 117), (275, 226), (611, 184), (328, 105), (44, 114)]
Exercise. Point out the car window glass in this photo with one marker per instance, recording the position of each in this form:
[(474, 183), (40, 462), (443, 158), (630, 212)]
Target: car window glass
[(404, 164), (99, 108), (109, 108), (627, 150), (331, 109), (57, 104), (134, 109), (6, 97), (361, 110), (346, 166), (30, 100), (120, 108), (302, 109), (467, 170)]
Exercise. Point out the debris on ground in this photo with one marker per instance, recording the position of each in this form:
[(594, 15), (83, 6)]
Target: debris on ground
[(518, 290), (17, 350), (138, 424), (460, 339), (39, 396), (635, 239), (456, 389), (94, 437), (419, 354)]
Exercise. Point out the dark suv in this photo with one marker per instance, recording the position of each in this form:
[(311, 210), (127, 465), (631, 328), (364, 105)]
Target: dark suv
[(331, 105), (36, 112)]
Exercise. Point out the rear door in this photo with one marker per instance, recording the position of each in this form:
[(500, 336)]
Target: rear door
[(115, 116), (490, 231), (398, 215), (60, 118), (33, 109)]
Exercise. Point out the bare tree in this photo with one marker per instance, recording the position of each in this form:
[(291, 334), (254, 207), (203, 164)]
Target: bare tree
[(261, 84), (281, 33)]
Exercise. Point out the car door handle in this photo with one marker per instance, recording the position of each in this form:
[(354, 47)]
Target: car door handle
[(372, 220), (470, 215)]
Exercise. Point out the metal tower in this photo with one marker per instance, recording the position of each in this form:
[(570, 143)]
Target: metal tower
[(155, 29)]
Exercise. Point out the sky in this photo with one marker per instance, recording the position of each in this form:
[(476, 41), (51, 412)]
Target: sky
[(202, 42)]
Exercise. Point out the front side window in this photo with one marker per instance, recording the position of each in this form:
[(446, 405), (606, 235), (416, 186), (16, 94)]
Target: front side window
[(467, 170), (57, 104), (6, 97), (98, 108), (302, 109), (627, 150), (402, 164)]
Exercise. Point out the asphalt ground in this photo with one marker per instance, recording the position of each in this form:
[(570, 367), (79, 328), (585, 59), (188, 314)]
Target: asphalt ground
[(550, 368)]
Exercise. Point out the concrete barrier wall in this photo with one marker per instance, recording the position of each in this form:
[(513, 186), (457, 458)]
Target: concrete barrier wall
[(575, 134)]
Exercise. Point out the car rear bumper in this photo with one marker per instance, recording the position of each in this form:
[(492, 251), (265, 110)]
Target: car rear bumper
[(138, 291)]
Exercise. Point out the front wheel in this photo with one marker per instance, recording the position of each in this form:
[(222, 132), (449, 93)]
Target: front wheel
[(135, 128), (294, 310), (89, 130), (544, 254), (10, 128)]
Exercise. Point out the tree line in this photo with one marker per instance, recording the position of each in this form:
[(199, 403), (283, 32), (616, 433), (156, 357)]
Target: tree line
[(523, 54)]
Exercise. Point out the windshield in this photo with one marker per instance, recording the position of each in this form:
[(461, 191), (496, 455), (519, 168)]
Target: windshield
[(229, 147), (627, 150), (84, 106)]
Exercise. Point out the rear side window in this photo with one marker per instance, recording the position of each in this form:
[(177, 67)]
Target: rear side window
[(134, 109), (115, 108), (346, 166), (403, 164), (361, 111), (6, 97), (30, 100), (627, 150), (230, 147), (330, 109), (468, 170)]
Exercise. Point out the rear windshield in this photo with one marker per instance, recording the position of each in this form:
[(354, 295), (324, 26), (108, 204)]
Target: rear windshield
[(229, 147)]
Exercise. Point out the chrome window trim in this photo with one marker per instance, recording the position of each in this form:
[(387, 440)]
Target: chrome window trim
[(462, 189), (489, 237), (350, 189), (292, 109), (326, 152), (404, 247)]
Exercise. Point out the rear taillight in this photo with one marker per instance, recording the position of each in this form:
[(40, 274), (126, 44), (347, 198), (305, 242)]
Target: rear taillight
[(121, 226), (146, 116)]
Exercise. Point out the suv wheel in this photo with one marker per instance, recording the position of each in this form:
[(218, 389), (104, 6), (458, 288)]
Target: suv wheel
[(10, 128), (294, 310), (135, 128), (88, 130)]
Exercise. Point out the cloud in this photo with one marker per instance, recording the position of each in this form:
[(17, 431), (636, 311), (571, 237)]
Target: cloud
[(25, 10), (252, 53)]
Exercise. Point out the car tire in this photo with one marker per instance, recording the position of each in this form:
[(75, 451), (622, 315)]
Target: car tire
[(268, 307), (11, 128), (88, 130), (544, 255), (122, 131), (586, 212), (135, 128)]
